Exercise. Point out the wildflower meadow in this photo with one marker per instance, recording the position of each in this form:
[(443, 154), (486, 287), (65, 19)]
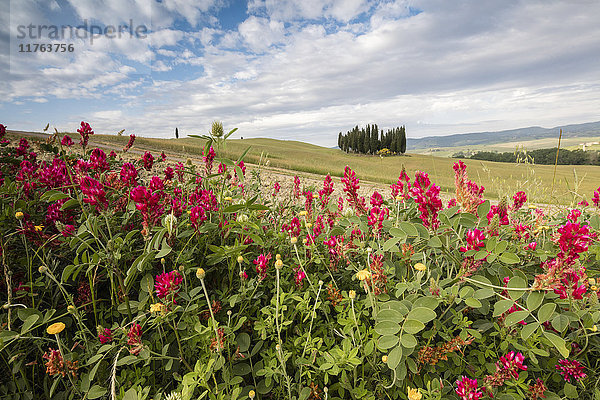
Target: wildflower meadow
[(146, 278)]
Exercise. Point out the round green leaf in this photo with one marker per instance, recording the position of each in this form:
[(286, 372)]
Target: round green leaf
[(421, 314), (413, 326), (409, 341), (387, 328), (387, 342)]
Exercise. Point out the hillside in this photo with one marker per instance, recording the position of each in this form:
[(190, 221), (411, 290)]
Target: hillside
[(585, 130)]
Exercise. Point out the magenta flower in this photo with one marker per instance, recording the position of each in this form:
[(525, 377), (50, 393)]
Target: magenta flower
[(427, 196), (351, 186), (296, 187), (67, 141), (502, 214), (105, 335), (596, 197), (571, 369), (85, 130), (98, 160), (299, 275), (2, 131), (326, 191), (531, 246), (156, 184), (128, 174), (402, 186), (148, 160), (197, 216), (129, 143), (262, 264), (208, 160), (135, 338), (94, 192), (474, 239), (466, 389), (512, 362), (519, 199), (149, 204), (276, 189), (169, 174), (167, 284)]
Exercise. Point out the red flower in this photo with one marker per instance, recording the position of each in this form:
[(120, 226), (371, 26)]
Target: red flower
[(167, 284), (571, 369), (105, 335), (85, 131), (67, 141), (519, 199), (135, 338), (148, 160), (467, 389), (262, 264)]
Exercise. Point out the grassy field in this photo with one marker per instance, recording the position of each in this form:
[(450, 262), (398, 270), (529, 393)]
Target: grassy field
[(499, 179), (572, 143)]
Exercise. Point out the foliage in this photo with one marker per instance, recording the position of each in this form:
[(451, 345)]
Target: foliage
[(149, 279), (368, 140), (543, 156)]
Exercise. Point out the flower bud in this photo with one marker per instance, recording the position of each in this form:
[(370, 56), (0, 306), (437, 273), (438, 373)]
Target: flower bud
[(320, 283), (277, 347), (162, 261), (229, 313), (303, 213), (420, 267), (228, 198), (240, 259), (278, 256), (19, 215), (308, 225), (71, 309), (294, 240), (384, 359), (251, 394), (278, 264), (200, 273), (42, 269), (352, 294)]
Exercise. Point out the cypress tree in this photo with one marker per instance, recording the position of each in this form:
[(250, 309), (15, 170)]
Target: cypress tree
[(402, 140), (340, 140), (176, 133)]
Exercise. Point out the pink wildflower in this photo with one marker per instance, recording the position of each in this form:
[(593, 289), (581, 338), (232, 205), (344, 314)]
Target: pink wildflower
[(67, 141), (427, 196), (148, 160), (197, 216), (402, 186), (129, 143), (351, 186), (167, 284), (519, 199), (326, 192), (596, 197), (135, 338), (94, 191), (262, 264), (276, 189), (208, 160), (466, 389), (104, 335), (571, 369), (85, 130), (296, 187), (128, 174), (299, 275), (474, 239), (468, 194), (169, 174)]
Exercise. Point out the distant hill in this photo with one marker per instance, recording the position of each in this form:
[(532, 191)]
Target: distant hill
[(514, 135)]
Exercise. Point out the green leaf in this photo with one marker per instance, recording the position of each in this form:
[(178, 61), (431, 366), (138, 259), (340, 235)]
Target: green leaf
[(389, 315), (545, 312), (483, 293), (69, 205), (241, 369), (516, 283), (560, 322), (387, 328), (32, 319), (96, 391), (53, 195), (473, 302), (515, 317), (421, 314), (483, 209), (413, 326), (558, 342), (408, 341), (501, 307), (391, 242), (304, 393), (435, 242), (528, 330), (571, 391), (534, 300), (510, 258), (480, 255), (387, 342), (164, 250), (243, 341), (409, 229), (394, 357)]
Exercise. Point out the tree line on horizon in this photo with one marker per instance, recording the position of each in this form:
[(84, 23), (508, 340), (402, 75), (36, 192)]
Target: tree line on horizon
[(370, 140), (540, 156)]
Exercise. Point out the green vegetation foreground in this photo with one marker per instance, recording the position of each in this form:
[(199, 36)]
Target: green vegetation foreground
[(152, 279)]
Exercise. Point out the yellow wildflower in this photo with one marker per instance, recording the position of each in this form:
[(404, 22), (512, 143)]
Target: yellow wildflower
[(251, 394), (200, 273), (240, 259), (228, 198), (594, 328), (38, 228), (308, 225), (420, 267), (414, 394), (384, 359), (55, 328), (294, 240), (592, 281), (158, 307), (278, 264), (303, 213), (352, 294), (362, 275), (278, 256), (19, 215)]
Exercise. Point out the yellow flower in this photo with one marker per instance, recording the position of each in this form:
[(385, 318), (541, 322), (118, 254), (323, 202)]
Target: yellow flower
[(38, 228), (158, 307), (294, 240), (362, 275), (71, 309), (592, 281), (594, 288), (303, 213), (352, 294), (240, 259), (278, 256), (420, 267), (278, 264), (200, 273), (384, 359), (228, 198), (594, 328), (414, 394), (19, 215), (55, 328), (251, 394), (308, 225)]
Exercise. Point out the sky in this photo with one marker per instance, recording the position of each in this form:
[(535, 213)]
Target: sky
[(299, 69)]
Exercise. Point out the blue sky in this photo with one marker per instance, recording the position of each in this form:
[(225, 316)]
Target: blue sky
[(305, 69)]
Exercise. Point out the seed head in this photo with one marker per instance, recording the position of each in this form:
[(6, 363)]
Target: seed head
[(200, 273)]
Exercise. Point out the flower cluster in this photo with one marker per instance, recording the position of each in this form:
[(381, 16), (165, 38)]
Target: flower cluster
[(94, 192), (519, 199), (468, 194), (129, 143), (427, 196), (67, 141), (135, 339), (351, 186), (104, 335), (128, 174), (85, 130), (507, 367), (571, 369), (467, 389), (325, 193), (262, 265), (167, 285), (149, 204), (402, 186), (474, 239), (148, 160), (57, 365)]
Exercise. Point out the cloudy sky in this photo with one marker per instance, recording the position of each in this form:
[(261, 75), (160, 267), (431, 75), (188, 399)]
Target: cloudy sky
[(301, 69)]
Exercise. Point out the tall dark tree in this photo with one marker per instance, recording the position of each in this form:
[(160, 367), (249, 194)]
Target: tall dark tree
[(402, 140), (176, 133), (340, 140)]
